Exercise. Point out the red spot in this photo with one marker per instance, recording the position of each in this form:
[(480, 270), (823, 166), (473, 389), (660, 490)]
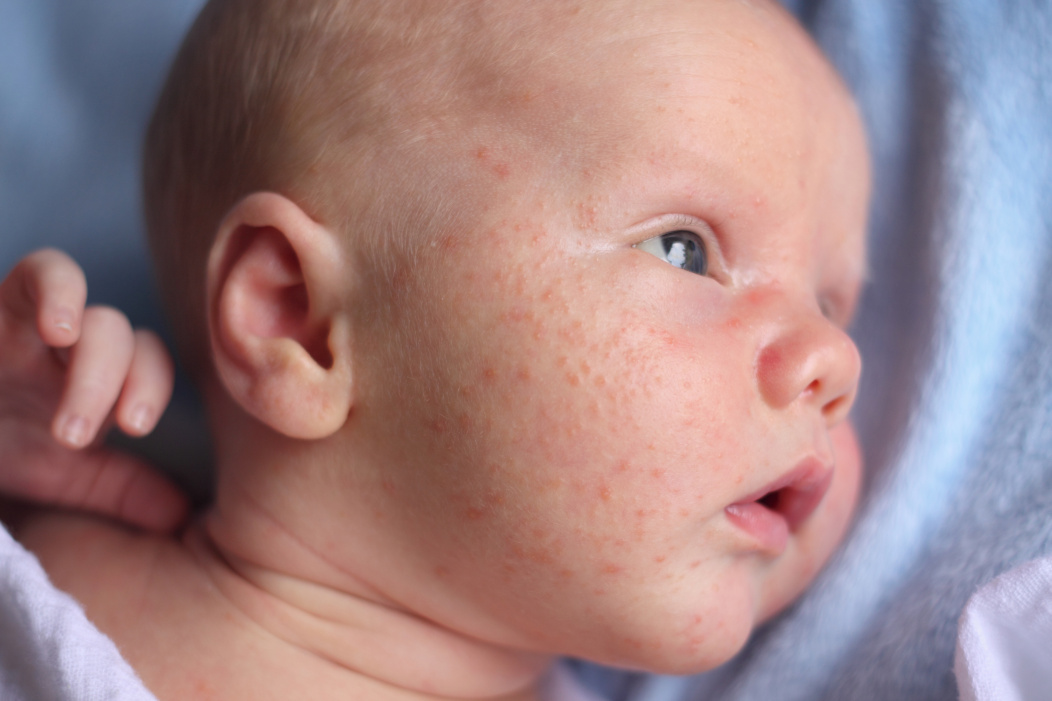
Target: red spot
[(523, 375), (660, 558), (634, 642), (439, 426), (760, 295), (611, 568), (449, 242), (441, 572), (694, 565), (474, 513), (202, 690), (553, 484), (514, 314), (540, 556), (604, 493), (573, 379), (499, 168)]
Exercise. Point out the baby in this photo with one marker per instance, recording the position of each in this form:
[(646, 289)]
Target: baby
[(520, 327)]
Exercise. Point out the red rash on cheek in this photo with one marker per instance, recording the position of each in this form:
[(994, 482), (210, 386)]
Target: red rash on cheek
[(485, 158)]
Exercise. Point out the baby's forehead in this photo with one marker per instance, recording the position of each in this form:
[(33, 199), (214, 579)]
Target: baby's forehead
[(556, 87), (507, 57), (576, 72)]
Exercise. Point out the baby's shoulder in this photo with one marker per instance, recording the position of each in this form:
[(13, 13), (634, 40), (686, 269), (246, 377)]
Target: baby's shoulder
[(144, 591), (93, 559)]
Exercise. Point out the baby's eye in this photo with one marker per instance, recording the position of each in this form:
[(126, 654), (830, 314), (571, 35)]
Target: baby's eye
[(683, 249)]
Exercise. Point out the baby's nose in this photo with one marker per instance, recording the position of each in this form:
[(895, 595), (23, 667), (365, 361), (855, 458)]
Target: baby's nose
[(812, 361)]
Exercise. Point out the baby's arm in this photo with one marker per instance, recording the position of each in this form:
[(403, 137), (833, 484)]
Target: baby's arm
[(67, 373)]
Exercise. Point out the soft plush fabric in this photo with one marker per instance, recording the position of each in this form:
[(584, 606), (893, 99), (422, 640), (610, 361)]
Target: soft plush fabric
[(1004, 643)]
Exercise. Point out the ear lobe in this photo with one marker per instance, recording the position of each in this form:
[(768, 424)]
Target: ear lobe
[(279, 334)]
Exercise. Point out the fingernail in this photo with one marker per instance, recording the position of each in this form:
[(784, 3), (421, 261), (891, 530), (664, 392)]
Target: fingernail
[(76, 431), (64, 320), (140, 418)]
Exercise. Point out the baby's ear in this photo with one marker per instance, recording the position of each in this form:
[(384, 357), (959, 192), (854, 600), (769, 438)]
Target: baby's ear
[(277, 319)]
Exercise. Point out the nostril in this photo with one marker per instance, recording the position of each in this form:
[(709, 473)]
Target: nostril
[(837, 408)]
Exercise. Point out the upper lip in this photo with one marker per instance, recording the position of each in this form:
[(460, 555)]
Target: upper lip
[(796, 494)]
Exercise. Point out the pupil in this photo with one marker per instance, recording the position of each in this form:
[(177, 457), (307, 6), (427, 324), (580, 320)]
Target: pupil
[(685, 251)]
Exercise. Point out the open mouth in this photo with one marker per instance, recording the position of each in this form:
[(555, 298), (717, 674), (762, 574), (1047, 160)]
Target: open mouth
[(780, 508)]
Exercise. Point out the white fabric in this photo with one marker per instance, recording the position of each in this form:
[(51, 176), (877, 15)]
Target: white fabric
[(1004, 645), (49, 651)]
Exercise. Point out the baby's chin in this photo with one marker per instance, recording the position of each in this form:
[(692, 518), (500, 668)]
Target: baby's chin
[(751, 593), (685, 637), (712, 637)]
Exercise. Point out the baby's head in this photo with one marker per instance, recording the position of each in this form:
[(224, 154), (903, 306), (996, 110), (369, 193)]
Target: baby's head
[(552, 295)]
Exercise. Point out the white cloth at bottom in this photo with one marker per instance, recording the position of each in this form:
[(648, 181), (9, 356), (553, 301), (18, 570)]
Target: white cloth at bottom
[(1004, 641)]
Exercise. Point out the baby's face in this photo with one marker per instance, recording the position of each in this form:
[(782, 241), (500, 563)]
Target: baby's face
[(612, 410)]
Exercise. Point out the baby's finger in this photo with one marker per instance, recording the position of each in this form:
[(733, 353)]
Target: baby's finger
[(120, 486), (46, 288), (148, 386), (98, 365)]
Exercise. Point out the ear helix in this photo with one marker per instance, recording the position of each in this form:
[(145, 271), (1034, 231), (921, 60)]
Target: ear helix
[(278, 331)]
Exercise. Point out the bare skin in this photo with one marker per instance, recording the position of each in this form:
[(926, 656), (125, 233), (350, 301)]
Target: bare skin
[(549, 440)]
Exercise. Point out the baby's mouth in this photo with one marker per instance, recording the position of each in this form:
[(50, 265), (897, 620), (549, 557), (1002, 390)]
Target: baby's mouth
[(781, 507)]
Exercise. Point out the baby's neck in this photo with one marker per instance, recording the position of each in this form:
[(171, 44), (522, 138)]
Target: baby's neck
[(293, 593), (302, 550)]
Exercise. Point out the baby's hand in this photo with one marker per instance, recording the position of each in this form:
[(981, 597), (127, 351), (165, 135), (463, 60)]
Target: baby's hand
[(66, 375)]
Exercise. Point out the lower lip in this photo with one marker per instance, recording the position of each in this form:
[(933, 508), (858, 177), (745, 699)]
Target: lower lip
[(769, 528), (804, 488)]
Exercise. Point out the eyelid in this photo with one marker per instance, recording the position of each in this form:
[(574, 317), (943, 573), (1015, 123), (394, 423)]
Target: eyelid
[(837, 307)]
